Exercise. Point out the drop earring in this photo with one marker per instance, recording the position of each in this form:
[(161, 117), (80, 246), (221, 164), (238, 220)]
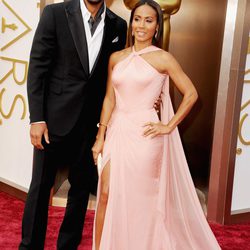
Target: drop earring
[(156, 33)]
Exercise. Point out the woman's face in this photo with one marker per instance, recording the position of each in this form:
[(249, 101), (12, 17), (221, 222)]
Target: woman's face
[(144, 23)]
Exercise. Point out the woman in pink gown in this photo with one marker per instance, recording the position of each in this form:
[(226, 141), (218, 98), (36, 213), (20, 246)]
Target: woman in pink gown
[(146, 198)]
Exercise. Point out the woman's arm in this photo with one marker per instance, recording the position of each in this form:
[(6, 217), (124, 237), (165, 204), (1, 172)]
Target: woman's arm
[(185, 86), (107, 109), (108, 103), (170, 66)]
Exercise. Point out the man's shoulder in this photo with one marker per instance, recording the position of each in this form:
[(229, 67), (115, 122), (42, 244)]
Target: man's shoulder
[(112, 15), (55, 7)]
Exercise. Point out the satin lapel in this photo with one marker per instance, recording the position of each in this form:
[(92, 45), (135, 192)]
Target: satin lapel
[(105, 41), (76, 26)]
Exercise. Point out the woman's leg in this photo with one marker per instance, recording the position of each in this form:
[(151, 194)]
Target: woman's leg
[(102, 204)]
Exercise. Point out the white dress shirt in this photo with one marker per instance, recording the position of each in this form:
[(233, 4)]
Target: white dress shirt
[(94, 42)]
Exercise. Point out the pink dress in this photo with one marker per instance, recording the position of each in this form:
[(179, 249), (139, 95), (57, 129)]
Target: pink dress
[(152, 202)]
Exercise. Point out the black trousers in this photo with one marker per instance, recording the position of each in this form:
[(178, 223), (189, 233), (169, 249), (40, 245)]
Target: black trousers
[(74, 151)]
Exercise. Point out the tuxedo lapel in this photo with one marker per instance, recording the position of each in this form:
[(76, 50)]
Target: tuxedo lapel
[(107, 34), (76, 26)]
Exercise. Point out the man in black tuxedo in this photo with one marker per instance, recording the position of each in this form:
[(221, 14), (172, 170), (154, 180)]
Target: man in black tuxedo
[(66, 86)]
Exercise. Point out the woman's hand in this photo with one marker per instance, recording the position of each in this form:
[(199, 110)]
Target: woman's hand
[(154, 129), (97, 149)]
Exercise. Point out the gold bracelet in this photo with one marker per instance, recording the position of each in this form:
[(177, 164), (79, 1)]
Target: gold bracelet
[(101, 124)]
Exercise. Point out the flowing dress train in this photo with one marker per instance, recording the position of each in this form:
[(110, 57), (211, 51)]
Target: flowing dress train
[(152, 202)]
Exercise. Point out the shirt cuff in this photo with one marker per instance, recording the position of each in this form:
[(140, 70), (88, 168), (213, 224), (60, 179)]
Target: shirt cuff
[(38, 122)]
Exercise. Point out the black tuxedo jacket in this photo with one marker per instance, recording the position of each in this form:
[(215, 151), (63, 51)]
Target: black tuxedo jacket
[(60, 85)]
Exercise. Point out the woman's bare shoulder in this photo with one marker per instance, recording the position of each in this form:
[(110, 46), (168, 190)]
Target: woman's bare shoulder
[(118, 56), (166, 60), (164, 55)]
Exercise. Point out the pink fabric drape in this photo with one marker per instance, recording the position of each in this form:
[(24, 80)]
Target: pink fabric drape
[(152, 202)]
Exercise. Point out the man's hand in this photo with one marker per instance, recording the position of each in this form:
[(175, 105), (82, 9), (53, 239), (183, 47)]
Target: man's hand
[(37, 130), (157, 104)]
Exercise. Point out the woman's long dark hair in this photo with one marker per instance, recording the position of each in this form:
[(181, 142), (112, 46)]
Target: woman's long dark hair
[(157, 41)]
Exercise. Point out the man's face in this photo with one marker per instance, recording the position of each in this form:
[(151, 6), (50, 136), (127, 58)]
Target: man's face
[(94, 1)]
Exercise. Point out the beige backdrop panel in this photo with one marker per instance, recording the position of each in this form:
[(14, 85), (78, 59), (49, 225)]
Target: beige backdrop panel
[(241, 186), (18, 22)]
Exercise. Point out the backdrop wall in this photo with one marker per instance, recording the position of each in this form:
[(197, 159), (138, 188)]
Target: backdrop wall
[(18, 23), (241, 186)]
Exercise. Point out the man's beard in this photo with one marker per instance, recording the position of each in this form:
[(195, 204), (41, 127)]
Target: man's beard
[(94, 1)]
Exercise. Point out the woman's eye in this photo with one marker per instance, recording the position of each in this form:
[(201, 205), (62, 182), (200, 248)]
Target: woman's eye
[(136, 19), (149, 21)]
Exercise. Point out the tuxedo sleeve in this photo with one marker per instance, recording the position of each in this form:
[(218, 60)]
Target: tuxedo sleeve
[(41, 59)]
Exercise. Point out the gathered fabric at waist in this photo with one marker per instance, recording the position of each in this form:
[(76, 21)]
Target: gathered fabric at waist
[(133, 118), (133, 111)]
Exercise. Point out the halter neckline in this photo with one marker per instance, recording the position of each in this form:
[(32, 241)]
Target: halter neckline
[(144, 50)]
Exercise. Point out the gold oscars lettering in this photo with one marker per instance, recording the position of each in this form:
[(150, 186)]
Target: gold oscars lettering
[(247, 73), (16, 98), (12, 72), (16, 28), (244, 119), (169, 7), (12, 26)]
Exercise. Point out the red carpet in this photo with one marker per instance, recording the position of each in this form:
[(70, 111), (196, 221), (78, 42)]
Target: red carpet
[(236, 237)]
